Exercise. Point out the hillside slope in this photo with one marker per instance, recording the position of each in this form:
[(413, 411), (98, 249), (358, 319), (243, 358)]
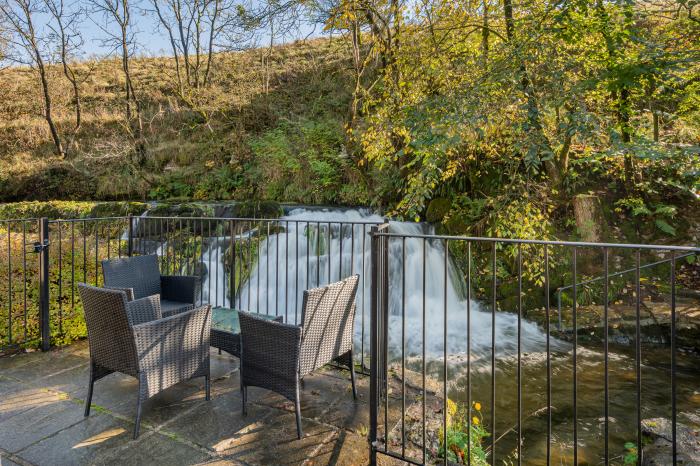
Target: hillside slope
[(236, 140)]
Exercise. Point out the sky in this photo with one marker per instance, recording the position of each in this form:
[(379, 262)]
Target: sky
[(149, 40)]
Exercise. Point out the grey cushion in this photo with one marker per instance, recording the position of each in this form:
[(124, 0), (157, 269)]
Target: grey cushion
[(173, 307)]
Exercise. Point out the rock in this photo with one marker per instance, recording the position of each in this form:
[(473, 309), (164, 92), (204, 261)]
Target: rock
[(660, 451)]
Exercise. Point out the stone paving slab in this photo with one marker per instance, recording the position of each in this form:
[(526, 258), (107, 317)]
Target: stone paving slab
[(41, 418)]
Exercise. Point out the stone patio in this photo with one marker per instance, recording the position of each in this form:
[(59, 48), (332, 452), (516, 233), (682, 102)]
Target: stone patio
[(41, 418)]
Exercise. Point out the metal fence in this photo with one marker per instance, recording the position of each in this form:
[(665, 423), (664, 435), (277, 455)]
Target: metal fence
[(245, 263), (465, 365), (482, 375)]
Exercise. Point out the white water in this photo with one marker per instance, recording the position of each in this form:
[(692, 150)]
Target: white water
[(282, 273)]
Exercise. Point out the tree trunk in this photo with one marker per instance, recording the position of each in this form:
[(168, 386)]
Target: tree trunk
[(485, 37), (47, 108), (590, 221)]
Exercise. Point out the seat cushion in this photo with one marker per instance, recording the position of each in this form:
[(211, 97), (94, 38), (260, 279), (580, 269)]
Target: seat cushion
[(169, 308)]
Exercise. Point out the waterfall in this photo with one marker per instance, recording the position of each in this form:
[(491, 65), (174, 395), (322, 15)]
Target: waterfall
[(298, 258)]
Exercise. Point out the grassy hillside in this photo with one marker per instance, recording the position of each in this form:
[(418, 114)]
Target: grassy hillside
[(233, 140)]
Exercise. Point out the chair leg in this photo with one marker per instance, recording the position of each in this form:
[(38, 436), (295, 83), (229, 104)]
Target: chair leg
[(351, 363), (244, 397), (297, 409), (88, 401), (139, 403), (207, 387)]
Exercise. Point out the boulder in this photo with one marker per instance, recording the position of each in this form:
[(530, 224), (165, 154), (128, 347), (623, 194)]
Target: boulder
[(659, 452)]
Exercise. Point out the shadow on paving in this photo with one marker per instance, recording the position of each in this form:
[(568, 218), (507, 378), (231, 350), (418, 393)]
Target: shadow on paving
[(41, 418)]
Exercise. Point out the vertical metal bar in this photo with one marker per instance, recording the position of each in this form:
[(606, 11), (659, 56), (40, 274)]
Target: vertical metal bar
[(9, 282), (549, 354), (24, 274), (296, 275), (519, 375), (385, 334), (574, 369), (210, 275), (109, 240), (60, 278), (374, 336), (606, 393), (674, 447), (403, 346), (362, 316), (444, 348), (72, 264), (259, 306), (183, 244), (638, 359), (469, 351), (340, 255), (493, 355), (352, 249), (328, 252), (84, 230), (286, 272), (250, 262), (130, 238), (97, 247), (201, 261), (318, 254), (308, 253), (267, 270), (277, 269), (423, 368), (217, 259), (44, 322), (232, 278)]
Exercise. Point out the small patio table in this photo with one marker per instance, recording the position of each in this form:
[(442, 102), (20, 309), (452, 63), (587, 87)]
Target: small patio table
[(226, 329)]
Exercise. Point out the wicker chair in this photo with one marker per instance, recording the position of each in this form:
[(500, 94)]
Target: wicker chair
[(133, 338), (277, 356), (139, 276)]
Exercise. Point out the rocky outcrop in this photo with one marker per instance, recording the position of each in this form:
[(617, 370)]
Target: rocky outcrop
[(659, 452)]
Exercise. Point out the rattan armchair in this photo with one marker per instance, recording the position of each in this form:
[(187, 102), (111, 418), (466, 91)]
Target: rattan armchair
[(277, 356), (139, 276), (133, 338)]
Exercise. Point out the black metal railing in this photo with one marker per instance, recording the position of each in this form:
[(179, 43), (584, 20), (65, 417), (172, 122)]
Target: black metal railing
[(456, 332), (482, 376), (246, 263), (621, 273)]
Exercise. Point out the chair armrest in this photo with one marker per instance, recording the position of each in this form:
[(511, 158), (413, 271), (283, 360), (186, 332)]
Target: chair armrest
[(180, 288), (269, 353), (144, 310), (129, 291), (174, 348)]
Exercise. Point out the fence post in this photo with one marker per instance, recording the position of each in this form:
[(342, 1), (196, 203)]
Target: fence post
[(43, 250), (130, 242), (373, 346)]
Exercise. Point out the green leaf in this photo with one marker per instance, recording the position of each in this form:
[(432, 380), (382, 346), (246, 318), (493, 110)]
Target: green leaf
[(664, 226)]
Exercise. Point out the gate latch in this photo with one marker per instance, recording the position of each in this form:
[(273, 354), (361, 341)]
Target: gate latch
[(40, 247)]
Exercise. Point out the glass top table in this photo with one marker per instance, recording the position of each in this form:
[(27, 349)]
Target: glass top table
[(226, 329)]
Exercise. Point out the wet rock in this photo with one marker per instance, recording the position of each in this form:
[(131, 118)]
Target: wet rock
[(660, 451)]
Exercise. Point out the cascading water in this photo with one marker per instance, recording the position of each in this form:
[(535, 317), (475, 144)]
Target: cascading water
[(308, 254)]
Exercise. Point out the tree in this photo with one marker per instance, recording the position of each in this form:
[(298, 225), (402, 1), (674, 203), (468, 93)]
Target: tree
[(30, 49), (69, 42), (193, 27), (120, 36)]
